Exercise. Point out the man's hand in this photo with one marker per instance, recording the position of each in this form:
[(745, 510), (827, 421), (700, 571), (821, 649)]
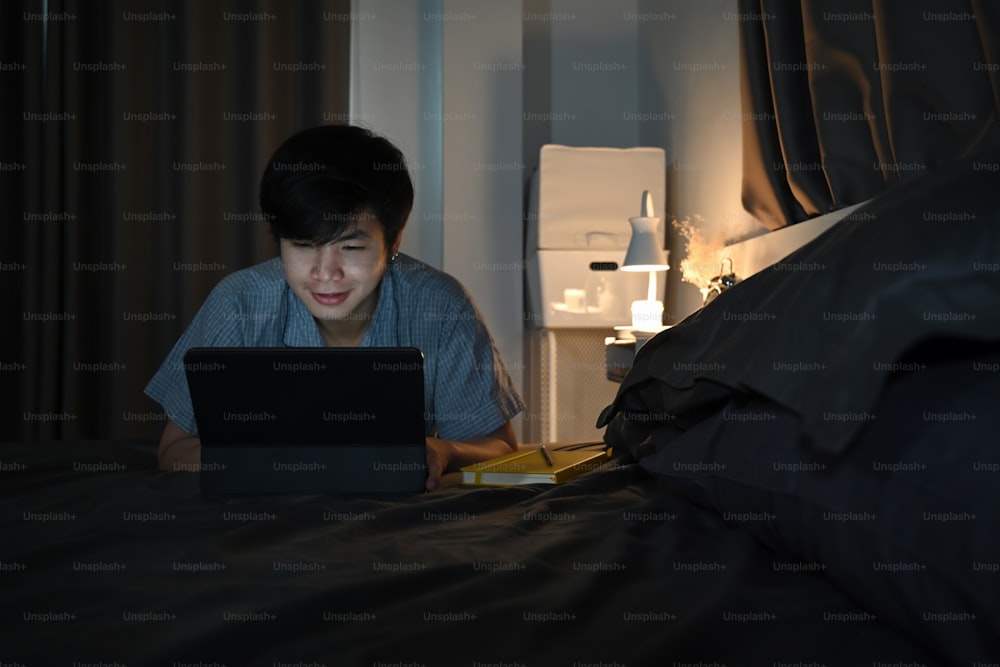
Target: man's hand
[(437, 461), (450, 455), (179, 450)]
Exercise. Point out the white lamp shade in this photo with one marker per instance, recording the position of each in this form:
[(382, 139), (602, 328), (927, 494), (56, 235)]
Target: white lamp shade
[(644, 252)]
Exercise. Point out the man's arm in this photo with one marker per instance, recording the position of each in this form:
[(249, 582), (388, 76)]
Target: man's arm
[(450, 455), (179, 450)]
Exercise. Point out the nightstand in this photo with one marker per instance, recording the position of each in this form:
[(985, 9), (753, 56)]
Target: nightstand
[(620, 349), (618, 356)]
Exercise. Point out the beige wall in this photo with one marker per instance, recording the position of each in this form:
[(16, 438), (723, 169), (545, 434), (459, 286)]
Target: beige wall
[(471, 89)]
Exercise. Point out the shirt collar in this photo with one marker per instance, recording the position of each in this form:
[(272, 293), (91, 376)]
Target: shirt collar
[(382, 331), (300, 327)]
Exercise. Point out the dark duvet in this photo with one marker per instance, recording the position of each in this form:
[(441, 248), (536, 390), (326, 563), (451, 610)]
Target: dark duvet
[(132, 566)]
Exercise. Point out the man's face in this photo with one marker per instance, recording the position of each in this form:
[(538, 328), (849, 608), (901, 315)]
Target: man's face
[(338, 282)]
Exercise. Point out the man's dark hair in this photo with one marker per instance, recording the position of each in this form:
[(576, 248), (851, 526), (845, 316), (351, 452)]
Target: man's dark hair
[(323, 180)]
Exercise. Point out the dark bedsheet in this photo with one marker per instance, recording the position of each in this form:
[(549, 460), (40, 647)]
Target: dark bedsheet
[(105, 560)]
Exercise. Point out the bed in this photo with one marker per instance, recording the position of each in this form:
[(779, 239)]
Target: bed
[(753, 513), (109, 561)]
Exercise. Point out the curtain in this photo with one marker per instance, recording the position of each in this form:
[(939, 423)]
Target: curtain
[(844, 98), (133, 142)]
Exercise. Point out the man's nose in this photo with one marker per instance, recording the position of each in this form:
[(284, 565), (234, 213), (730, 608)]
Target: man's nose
[(326, 263)]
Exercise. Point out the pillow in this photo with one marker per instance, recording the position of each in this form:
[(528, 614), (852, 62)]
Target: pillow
[(907, 523), (820, 332)]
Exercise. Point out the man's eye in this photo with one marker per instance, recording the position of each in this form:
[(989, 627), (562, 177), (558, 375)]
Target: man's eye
[(302, 244), (353, 247)]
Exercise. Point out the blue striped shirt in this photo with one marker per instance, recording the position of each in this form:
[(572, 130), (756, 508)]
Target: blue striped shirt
[(467, 390)]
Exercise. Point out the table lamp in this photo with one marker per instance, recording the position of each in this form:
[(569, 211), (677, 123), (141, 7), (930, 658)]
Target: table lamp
[(646, 254)]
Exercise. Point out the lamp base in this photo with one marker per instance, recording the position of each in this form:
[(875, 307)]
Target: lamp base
[(647, 315)]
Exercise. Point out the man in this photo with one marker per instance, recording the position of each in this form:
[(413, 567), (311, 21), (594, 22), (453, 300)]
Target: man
[(337, 199)]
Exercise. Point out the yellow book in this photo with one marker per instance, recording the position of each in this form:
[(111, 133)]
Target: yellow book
[(529, 466)]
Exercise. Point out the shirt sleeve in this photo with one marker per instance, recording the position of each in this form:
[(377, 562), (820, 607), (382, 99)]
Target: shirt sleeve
[(215, 325), (474, 394)]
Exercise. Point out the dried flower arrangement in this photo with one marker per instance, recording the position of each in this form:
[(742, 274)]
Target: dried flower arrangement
[(704, 252)]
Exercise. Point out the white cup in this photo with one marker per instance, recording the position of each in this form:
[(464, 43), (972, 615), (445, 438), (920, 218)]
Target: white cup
[(575, 299)]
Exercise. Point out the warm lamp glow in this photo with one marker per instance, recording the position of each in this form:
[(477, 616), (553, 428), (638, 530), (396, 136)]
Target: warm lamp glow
[(647, 315), (645, 254)]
